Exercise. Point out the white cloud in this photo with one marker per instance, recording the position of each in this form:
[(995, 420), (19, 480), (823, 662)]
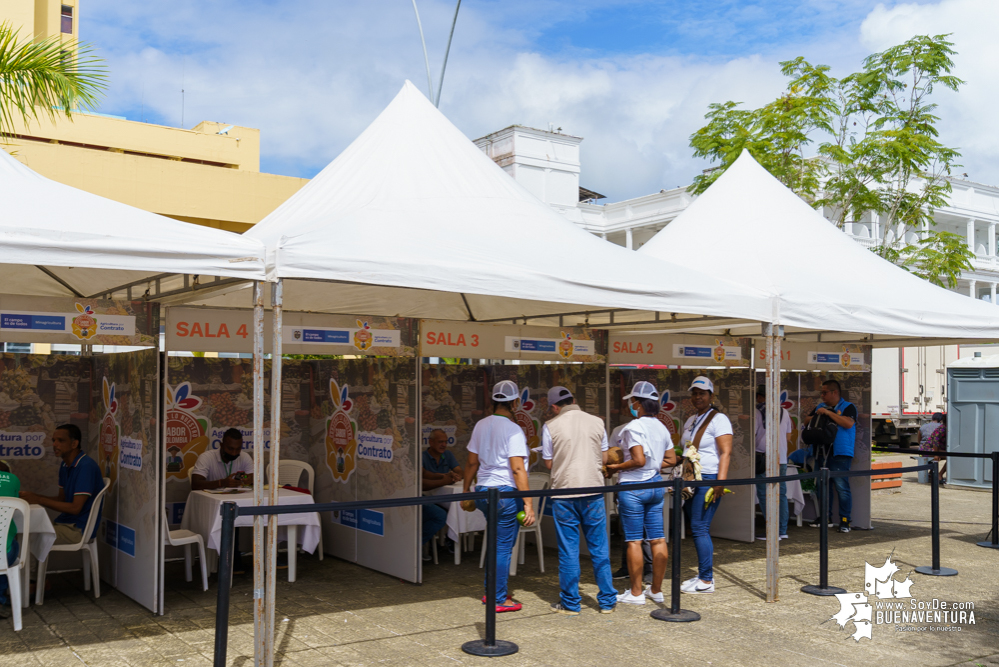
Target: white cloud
[(968, 117)]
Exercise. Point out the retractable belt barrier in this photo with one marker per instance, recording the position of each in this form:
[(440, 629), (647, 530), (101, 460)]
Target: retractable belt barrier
[(490, 646)]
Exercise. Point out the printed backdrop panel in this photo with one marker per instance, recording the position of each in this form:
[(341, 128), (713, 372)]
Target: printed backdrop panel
[(123, 429), (734, 396)]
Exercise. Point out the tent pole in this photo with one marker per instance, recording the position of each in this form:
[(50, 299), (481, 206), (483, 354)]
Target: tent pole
[(277, 299), (773, 335), (260, 647)]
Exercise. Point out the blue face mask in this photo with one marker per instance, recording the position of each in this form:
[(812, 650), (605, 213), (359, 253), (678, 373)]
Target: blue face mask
[(634, 412)]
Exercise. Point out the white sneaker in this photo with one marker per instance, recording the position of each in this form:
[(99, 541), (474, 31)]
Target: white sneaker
[(628, 598), (763, 538), (783, 537), (698, 587), (689, 582), (655, 597)]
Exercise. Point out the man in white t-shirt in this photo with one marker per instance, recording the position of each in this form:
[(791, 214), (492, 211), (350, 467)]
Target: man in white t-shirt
[(226, 467), (497, 456), (761, 452)]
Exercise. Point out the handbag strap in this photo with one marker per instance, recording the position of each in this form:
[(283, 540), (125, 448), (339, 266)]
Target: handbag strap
[(704, 427)]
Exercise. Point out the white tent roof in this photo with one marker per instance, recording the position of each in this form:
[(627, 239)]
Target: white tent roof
[(747, 226), (416, 221), (56, 240)]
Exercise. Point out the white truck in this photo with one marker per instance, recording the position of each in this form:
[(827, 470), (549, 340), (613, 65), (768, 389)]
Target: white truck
[(908, 385)]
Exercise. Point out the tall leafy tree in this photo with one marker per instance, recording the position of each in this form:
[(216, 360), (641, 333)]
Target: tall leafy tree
[(879, 151), (49, 77)]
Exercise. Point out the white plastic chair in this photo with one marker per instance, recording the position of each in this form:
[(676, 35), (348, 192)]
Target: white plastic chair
[(8, 507), (536, 481), (185, 538), (290, 472), (87, 544)]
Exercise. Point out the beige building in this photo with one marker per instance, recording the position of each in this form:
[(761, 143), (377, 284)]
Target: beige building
[(208, 175)]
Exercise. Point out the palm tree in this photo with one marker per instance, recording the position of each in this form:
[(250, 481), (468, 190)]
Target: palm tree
[(49, 76)]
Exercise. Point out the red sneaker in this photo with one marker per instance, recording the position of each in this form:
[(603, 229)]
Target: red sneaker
[(516, 606)]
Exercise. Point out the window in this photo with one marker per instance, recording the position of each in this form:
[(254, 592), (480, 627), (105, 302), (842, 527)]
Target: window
[(18, 348), (67, 19)]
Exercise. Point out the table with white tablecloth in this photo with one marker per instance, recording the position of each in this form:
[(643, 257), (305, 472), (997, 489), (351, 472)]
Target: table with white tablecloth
[(458, 520), (41, 538), (202, 515)]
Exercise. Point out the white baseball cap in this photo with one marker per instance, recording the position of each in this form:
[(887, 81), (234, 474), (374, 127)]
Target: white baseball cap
[(505, 391), (701, 382), (558, 393), (643, 390)]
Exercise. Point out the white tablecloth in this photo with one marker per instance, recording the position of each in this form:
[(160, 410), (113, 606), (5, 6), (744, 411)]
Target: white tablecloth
[(794, 494), (458, 520), (42, 532), (202, 515)]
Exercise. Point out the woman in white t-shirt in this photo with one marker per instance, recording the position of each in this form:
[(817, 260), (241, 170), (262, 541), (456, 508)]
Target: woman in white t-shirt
[(715, 451), (645, 442), (498, 455)]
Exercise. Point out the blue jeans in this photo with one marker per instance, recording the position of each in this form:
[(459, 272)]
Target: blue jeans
[(506, 535), (11, 557), (700, 528), (641, 512), (841, 485), (434, 518), (761, 494), (570, 515)]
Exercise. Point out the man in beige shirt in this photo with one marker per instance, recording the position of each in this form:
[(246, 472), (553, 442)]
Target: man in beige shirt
[(574, 448)]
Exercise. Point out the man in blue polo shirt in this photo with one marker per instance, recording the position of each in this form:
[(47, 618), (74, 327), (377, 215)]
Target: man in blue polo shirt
[(79, 483), (844, 415), (440, 468)]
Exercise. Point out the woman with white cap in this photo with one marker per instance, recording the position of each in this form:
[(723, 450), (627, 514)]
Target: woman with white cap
[(707, 437), (497, 452), (645, 443)]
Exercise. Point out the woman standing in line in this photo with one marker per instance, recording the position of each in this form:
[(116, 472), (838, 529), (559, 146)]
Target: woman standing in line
[(709, 432), (645, 443)]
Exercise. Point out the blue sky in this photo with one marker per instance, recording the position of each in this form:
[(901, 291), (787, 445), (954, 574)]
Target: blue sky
[(633, 78)]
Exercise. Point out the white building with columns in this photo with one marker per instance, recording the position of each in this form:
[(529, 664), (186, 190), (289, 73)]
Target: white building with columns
[(547, 163)]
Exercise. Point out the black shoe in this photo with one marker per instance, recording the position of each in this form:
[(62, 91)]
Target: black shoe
[(844, 526), (817, 523), (621, 573)]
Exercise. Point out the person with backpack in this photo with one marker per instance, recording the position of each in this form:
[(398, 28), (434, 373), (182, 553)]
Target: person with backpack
[(831, 431), (761, 458)]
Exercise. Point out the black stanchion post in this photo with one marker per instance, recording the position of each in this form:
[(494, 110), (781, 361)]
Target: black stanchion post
[(935, 569), (823, 588), (490, 647), (228, 511), (994, 544), (674, 614)]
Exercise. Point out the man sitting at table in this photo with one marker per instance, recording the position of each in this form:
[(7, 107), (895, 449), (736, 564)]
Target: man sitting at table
[(440, 468), (226, 467), (80, 481)]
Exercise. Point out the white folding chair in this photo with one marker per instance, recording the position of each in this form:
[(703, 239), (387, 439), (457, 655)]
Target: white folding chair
[(536, 481), (87, 544), (290, 472), (185, 538), (8, 507)]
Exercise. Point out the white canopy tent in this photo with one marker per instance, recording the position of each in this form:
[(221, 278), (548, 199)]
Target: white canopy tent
[(748, 226), (56, 240)]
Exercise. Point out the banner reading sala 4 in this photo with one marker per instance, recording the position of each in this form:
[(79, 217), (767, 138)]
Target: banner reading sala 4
[(186, 433), (110, 434), (341, 435)]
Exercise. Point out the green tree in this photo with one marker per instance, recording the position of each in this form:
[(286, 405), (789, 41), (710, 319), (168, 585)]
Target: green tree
[(879, 150), (46, 77)]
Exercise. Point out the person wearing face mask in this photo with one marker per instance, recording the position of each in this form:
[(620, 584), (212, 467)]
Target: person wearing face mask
[(761, 458), (710, 433), (646, 444), (226, 467)]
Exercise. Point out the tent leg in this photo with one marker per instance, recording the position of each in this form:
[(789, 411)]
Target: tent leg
[(773, 335), (260, 647), (277, 299)]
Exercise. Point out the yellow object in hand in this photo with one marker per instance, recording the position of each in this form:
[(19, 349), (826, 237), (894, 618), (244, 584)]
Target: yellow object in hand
[(709, 497), (468, 505)]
